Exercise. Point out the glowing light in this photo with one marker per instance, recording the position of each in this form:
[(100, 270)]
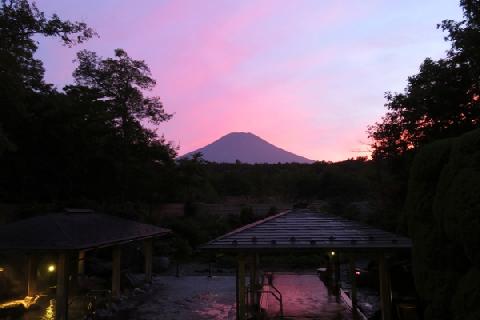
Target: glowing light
[(11, 304), (2, 269), (357, 273), (26, 303), (51, 268), (332, 253), (49, 311)]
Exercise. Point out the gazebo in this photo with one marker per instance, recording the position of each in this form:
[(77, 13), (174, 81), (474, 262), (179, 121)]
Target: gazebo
[(68, 236), (306, 231)]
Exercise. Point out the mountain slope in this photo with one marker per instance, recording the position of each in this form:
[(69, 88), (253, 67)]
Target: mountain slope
[(248, 148)]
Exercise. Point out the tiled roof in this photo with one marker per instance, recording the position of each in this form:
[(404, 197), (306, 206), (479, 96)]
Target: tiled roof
[(307, 230), (73, 230)]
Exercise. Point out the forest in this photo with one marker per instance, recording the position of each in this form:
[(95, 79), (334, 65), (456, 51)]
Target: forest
[(90, 145)]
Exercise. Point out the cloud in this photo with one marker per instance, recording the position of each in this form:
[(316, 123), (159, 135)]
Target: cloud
[(308, 75)]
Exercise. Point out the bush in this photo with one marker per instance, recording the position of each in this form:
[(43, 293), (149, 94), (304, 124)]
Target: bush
[(443, 214)]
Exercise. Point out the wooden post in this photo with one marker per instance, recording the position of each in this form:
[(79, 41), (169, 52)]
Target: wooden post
[(32, 275), (251, 278), (385, 289), (256, 279), (336, 260), (329, 274), (148, 252), (353, 280), (81, 263), (116, 269), (253, 282), (240, 286), (237, 300), (61, 301)]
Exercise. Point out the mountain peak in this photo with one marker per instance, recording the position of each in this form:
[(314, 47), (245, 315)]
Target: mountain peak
[(240, 134), (248, 148)]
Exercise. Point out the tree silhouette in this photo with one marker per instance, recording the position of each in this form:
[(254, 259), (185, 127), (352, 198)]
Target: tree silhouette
[(20, 72), (120, 83), (86, 144), (442, 100)]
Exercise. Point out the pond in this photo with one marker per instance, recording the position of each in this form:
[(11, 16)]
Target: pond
[(204, 298)]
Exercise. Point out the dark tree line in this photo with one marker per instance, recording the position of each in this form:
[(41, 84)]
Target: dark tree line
[(429, 138), (87, 142), (442, 100), (348, 179)]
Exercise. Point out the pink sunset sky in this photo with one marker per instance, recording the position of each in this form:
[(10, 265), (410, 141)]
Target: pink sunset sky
[(308, 76)]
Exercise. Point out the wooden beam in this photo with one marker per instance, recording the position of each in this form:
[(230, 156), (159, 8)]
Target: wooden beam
[(81, 262), (240, 286), (116, 270), (61, 301), (32, 265), (353, 281), (385, 289), (148, 253)]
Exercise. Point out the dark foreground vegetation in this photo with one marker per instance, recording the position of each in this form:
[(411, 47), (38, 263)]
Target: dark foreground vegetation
[(88, 145)]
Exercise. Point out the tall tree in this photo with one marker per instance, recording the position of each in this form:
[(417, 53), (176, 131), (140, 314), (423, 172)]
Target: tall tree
[(25, 97), (442, 100), (121, 82), (20, 72)]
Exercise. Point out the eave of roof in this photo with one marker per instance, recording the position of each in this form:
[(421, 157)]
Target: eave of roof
[(304, 230), (74, 231)]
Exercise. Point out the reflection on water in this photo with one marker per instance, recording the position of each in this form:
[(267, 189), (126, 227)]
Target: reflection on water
[(12, 304), (43, 312), (29, 308), (215, 310), (304, 296), (25, 303), (189, 297), (49, 311), (203, 298)]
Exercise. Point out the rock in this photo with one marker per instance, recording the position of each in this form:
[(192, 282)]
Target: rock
[(103, 314), (138, 291), (160, 263), (114, 307)]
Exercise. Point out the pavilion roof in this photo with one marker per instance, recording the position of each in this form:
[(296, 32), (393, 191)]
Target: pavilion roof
[(74, 230), (307, 230)]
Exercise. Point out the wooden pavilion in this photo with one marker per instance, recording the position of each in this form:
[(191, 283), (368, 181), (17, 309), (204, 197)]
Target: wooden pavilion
[(68, 236), (305, 231)]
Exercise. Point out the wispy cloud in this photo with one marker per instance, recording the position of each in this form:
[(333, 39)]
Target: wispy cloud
[(308, 75)]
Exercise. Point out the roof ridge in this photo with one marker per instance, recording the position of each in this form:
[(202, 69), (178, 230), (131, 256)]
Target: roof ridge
[(69, 238), (327, 231), (253, 224)]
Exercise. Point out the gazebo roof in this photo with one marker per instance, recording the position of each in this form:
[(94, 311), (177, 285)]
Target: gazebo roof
[(307, 230), (74, 230)]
